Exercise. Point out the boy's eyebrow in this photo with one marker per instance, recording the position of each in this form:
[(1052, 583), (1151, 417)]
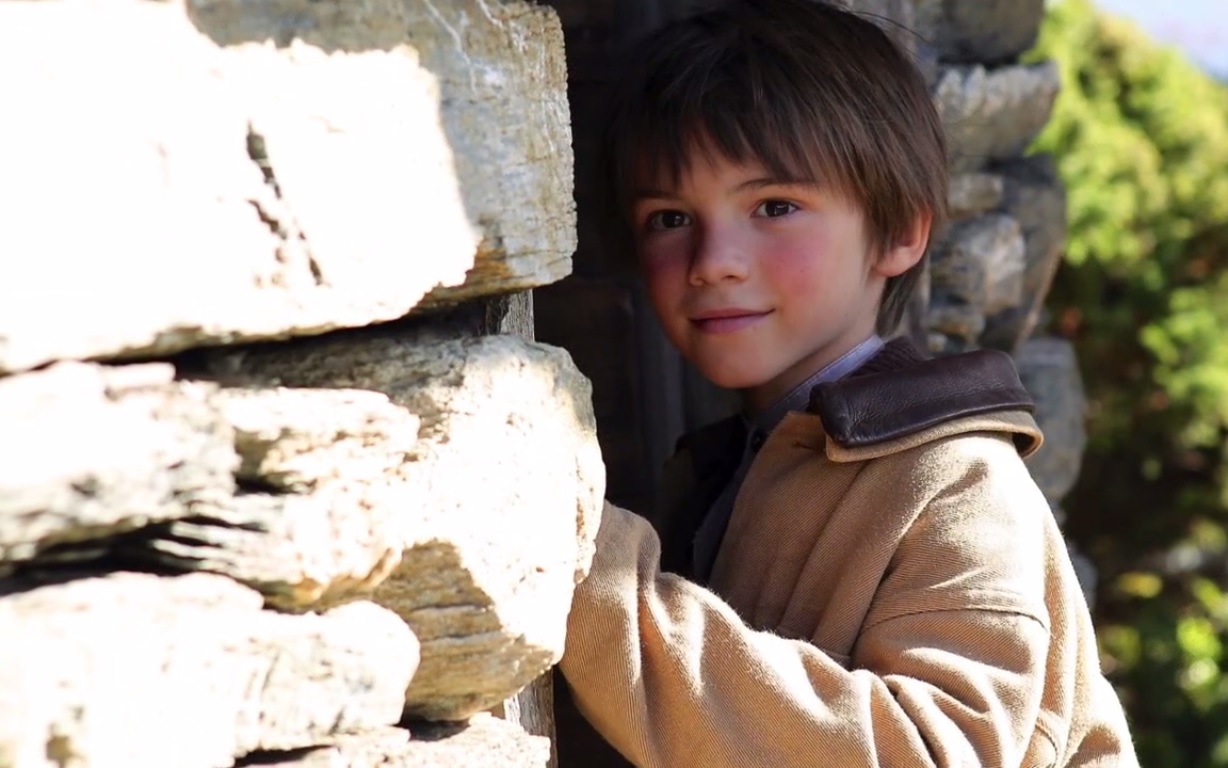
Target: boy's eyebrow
[(772, 181)]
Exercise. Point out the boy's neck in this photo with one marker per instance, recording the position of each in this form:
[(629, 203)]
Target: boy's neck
[(767, 418)]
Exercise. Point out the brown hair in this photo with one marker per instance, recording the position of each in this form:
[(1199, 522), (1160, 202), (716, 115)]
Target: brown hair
[(812, 92)]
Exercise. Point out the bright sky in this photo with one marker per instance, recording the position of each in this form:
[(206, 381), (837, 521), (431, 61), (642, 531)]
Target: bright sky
[(1200, 27)]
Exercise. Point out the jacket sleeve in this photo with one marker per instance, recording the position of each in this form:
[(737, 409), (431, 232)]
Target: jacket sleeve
[(671, 676)]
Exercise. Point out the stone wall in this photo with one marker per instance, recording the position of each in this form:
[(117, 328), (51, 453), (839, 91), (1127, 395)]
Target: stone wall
[(285, 479), (991, 269)]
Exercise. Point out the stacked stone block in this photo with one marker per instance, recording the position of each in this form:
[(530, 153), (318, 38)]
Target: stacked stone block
[(993, 266), (284, 479)]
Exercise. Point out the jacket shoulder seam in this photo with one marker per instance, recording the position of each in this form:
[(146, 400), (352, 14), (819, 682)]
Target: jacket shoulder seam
[(986, 608)]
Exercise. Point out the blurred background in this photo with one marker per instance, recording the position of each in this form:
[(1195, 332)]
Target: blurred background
[(1140, 135)]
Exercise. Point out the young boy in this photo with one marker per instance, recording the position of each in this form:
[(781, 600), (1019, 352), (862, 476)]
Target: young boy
[(859, 571)]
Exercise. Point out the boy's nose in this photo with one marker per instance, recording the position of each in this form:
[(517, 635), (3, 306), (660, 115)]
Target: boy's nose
[(718, 256)]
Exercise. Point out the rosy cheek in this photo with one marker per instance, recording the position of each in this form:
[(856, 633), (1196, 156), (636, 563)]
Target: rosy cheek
[(793, 269)]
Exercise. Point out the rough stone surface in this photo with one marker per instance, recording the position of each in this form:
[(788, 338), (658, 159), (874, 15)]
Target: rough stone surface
[(974, 193), (993, 114), (963, 321), (507, 121), (979, 30), (305, 166), (511, 480), (91, 452), (533, 707), (980, 263), (327, 517), (1050, 372), (1033, 196), (143, 671), (297, 493), (482, 742)]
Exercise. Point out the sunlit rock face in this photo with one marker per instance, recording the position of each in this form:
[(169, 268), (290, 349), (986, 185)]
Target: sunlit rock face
[(199, 172)]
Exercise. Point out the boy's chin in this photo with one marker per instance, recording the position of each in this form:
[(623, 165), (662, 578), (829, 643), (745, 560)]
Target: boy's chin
[(727, 378)]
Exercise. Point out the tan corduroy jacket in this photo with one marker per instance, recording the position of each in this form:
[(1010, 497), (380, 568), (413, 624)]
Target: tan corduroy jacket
[(890, 591)]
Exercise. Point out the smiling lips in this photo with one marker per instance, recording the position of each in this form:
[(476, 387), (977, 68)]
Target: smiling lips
[(727, 320)]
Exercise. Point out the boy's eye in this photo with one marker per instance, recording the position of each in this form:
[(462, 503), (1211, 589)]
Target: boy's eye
[(668, 220), (775, 208)]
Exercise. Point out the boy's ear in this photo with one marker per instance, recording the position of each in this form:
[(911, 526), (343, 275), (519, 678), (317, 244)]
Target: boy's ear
[(907, 250)]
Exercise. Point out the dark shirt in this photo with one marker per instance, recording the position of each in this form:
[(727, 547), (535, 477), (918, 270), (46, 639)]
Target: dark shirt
[(711, 531)]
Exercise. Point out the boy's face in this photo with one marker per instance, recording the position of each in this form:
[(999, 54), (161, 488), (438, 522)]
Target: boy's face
[(759, 283)]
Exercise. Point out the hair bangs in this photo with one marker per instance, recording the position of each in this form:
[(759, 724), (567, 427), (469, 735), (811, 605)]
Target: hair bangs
[(742, 112)]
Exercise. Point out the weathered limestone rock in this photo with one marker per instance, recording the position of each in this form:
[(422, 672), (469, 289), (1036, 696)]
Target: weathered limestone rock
[(91, 452), (963, 321), (974, 193), (1049, 371), (488, 497), (993, 114), (511, 483), (148, 672), (297, 493), (1033, 196), (305, 166), (507, 120), (980, 263), (979, 30), (330, 518), (483, 742)]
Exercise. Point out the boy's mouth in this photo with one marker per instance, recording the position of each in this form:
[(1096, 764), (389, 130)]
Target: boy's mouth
[(727, 320)]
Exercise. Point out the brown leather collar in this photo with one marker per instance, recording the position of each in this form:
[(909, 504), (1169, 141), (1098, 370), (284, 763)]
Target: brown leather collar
[(900, 392)]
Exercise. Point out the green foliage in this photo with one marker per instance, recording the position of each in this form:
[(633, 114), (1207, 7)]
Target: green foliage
[(1141, 140)]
